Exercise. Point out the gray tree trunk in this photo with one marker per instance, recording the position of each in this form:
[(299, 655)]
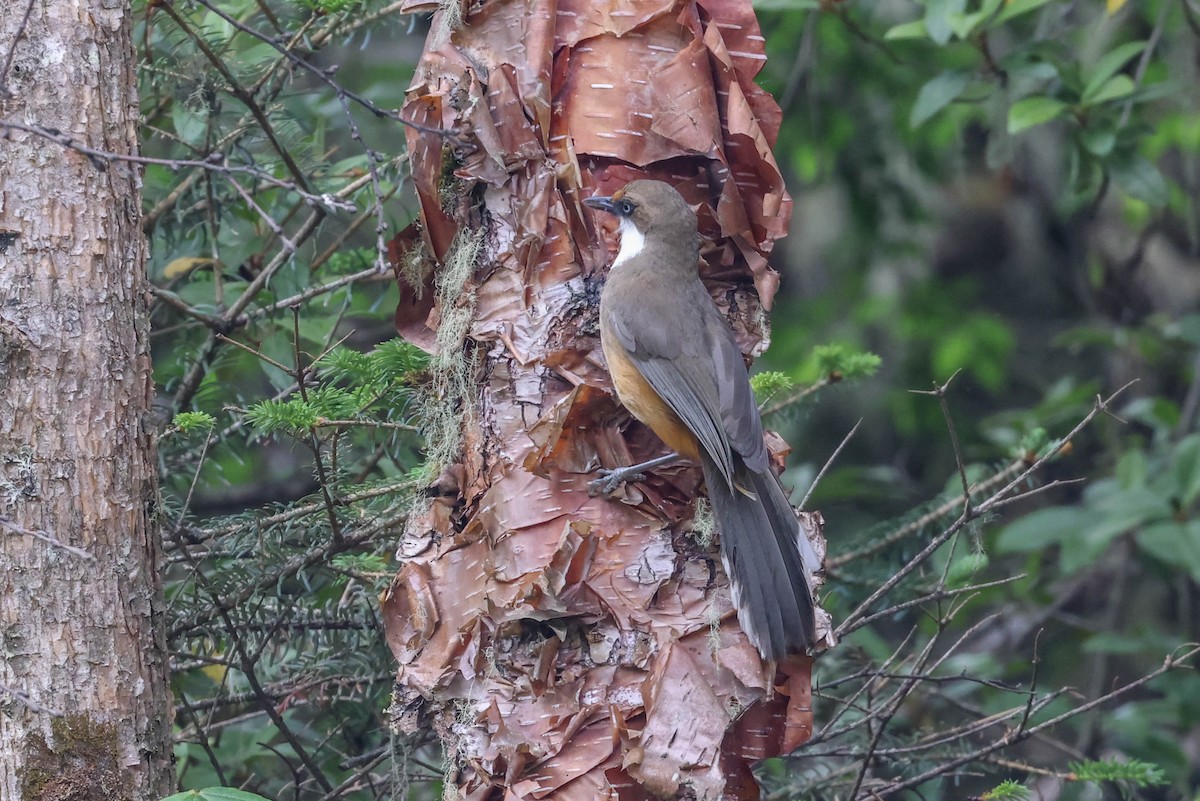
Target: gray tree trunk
[(84, 704)]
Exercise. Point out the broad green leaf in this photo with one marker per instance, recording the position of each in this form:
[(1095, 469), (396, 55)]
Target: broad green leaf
[(1131, 469), (938, 18), (1187, 328), (1043, 528), (189, 126), (1186, 469), (1098, 140), (1108, 65), (1139, 179), (1015, 8), (936, 94), (1082, 534), (965, 567), (1175, 544), (907, 30), (1116, 86), (215, 794), (1123, 509), (1154, 91), (965, 24), (1033, 111)]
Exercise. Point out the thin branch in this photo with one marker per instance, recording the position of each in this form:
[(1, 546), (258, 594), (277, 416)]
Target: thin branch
[(324, 76), (202, 734), (27, 702), (302, 511), (216, 163), (972, 513), (829, 463), (45, 536), (937, 595), (1012, 738), (12, 49), (798, 395), (939, 392), (1140, 71), (318, 555), (880, 543)]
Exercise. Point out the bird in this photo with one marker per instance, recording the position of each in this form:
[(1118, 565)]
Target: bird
[(676, 367)]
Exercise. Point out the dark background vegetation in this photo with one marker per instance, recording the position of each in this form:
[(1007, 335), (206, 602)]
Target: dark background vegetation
[(1003, 193)]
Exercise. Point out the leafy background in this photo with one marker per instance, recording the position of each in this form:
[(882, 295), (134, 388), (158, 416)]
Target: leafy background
[(998, 192)]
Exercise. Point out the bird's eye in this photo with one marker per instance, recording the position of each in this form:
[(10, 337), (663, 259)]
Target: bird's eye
[(625, 207)]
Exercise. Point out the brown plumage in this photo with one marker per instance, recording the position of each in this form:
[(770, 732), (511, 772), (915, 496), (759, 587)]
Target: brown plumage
[(677, 368)]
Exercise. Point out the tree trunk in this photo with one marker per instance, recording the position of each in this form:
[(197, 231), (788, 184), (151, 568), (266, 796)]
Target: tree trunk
[(86, 712), (565, 646)]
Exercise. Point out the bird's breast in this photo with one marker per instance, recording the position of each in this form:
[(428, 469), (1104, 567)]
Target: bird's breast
[(642, 400)]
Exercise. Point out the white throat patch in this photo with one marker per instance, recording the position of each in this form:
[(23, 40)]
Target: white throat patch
[(632, 242)]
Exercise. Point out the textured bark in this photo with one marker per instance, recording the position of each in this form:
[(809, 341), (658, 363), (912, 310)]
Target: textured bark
[(566, 646), (86, 711)]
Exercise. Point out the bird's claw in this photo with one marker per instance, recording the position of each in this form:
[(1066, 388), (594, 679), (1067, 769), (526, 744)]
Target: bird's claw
[(610, 480)]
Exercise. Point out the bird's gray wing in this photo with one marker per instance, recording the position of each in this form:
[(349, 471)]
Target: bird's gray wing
[(739, 411), (675, 357)]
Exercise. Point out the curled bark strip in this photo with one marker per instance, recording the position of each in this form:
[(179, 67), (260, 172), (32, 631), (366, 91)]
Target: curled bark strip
[(567, 646)]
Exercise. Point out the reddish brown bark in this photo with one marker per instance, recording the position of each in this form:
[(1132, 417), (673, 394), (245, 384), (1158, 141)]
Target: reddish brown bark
[(566, 646)]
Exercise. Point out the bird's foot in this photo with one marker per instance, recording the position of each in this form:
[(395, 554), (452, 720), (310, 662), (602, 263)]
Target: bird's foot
[(610, 480)]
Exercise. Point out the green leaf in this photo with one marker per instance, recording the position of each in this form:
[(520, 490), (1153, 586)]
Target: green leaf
[(936, 94), (1098, 140), (215, 794), (965, 24), (1131, 470), (1033, 111), (1115, 87), (1108, 65), (189, 126), (907, 30), (965, 568), (1176, 545), (1083, 534), (1041, 529), (1186, 469), (1016, 8), (1140, 179), (939, 16)]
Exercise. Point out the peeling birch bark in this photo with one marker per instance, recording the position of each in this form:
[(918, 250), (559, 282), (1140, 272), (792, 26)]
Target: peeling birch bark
[(564, 646)]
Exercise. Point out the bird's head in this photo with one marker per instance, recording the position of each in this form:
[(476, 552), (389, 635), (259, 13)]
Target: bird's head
[(649, 211)]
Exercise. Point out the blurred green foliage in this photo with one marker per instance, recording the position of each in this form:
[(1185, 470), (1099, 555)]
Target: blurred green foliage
[(1006, 191)]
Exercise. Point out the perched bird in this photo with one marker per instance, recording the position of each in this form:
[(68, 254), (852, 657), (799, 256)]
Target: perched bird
[(677, 368)]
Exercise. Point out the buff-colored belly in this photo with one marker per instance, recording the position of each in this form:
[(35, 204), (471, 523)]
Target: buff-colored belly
[(645, 404)]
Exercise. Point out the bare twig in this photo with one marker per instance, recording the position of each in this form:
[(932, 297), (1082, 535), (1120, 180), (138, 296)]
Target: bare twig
[(45, 536), (27, 702), (939, 392), (829, 463), (217, 163), (1011, 738), (12, 49)]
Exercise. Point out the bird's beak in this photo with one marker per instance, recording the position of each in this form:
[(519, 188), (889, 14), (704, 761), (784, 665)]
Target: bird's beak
[(602, 203)]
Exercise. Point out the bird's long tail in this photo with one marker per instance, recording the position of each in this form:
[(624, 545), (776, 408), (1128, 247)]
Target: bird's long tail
[(765, 556)]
